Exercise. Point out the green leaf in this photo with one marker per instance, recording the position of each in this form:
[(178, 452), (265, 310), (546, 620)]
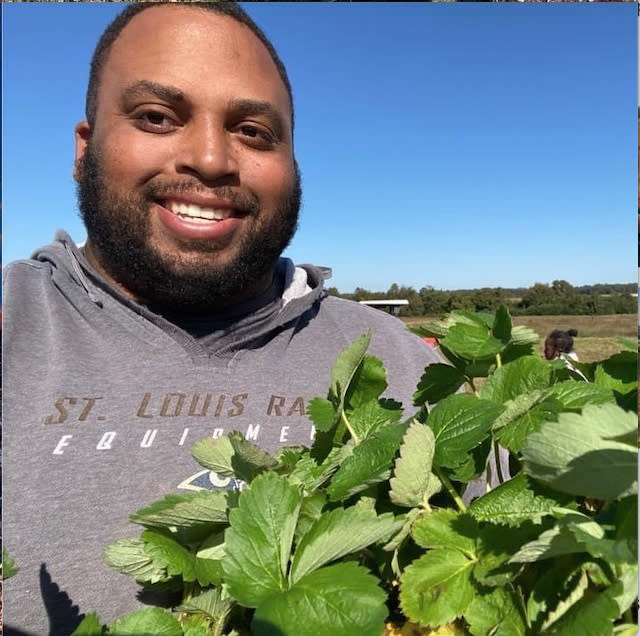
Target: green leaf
[(523, 415), (630, 345), (523, 375), (188, 510), (368, 382), (338, 600), (517, 500), (559, 540), (214, 454), (496, 614), (502, 325), (89, 626), (337, 533), (573, 455), (167, 553), (310, 512), (210, 602), (9, 568), (322, 413), (573, 394), (592, 615), (437, 588), (372, 416), (248, 460), (127, 556), (522, 335), (346, 366), (472, 342), (447, 528), (153, 620), (258, 542), (369, 463), (460, 423), (438, 381), (413, 482)]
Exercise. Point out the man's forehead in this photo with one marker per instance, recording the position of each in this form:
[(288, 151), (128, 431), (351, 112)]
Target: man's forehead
[(184, 42)]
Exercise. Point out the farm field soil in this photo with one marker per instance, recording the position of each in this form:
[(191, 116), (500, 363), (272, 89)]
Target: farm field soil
[(596, 338)]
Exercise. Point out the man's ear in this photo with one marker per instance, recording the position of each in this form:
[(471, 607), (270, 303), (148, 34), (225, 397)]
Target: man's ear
[(82, 135)]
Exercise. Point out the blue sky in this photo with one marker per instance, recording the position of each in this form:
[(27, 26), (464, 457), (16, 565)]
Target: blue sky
[(453, 145)]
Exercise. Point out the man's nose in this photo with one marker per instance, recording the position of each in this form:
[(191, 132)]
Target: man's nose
[(206, 151)]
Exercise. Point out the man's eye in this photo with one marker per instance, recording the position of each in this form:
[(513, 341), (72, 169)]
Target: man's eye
[(257, 135), (155, 121)]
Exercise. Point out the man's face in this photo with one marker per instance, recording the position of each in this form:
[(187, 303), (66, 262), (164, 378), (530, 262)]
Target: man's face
[(187, 181), (549, 349)]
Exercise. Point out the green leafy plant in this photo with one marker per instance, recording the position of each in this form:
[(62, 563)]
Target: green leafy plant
[(373, 529)]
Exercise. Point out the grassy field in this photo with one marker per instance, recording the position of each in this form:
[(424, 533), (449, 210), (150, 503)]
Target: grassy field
[(596, 338)]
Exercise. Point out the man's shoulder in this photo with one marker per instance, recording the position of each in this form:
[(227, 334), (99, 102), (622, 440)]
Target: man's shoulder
[(390, 336)]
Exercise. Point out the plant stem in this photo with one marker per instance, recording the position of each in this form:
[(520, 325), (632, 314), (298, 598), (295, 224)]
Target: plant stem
[(351, 431), (473, 387), (452, 491), (498, 360), (496, 453)]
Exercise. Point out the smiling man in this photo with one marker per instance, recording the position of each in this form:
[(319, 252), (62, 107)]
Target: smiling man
[(177, 320)]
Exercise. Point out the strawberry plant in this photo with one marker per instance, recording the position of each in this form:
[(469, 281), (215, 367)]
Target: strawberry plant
[(505, 506)]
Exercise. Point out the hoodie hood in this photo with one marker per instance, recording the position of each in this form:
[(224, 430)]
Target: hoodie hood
[(303, 288)]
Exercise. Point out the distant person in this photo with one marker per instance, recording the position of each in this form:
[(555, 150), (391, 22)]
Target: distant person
[(178, 319), (560, 342)]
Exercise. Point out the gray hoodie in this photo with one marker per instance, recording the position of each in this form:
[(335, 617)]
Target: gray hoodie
[(103, 399)]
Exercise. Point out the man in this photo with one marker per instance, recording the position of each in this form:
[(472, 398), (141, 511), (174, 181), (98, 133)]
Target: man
[(177, 320)]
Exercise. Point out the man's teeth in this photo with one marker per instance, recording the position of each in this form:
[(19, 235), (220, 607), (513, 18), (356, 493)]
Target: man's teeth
[(196, 213)]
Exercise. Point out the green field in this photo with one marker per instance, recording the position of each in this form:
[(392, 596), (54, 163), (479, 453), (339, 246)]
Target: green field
[(596, 338)]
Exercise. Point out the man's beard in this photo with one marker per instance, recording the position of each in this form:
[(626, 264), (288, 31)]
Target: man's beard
[(118, 228)]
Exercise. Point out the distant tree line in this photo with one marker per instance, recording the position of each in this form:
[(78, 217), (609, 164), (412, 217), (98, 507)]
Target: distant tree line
[(560, 297)]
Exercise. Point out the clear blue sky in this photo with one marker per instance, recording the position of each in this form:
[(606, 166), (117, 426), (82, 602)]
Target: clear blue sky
[(453, 145)]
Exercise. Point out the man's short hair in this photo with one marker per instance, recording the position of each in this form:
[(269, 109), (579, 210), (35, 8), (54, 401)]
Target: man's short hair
[(111, 33)]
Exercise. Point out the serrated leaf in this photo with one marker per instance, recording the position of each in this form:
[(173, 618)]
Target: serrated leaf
[(338, 600), (187, 510), (447, 528), (573, 394), (558, 540), (523, 375), (258, 541), (214, 454), (515, 501), (501, 328), (496, 614), (248, 459), (592, 615), (152, 620), (460, 423), (89, 626), (413, 482), (167, 553), (347, 364), (472, 342), (337, 533), (573, 455), (322, 413), (369, 463), (310, 512), (128, 557), (523, 415), (372, 416), (211, 603), (437, 381), (494, 550), (522, 335), (368, 382), (407, 525), (437, 588)]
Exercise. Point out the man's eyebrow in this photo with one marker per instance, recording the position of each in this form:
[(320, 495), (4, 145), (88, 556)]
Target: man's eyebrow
[(244, 107), (144, 88)]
